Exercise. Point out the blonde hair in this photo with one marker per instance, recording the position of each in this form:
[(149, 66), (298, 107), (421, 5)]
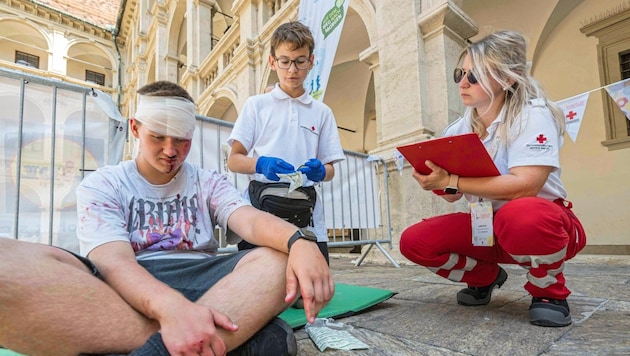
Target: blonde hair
[(502, 57)]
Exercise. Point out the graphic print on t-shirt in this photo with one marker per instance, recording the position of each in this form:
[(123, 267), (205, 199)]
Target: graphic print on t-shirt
[(156, 225)]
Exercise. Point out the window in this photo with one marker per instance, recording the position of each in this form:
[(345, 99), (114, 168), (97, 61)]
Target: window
[(624, 64), (624, 68), (26, 59), (94, 77), (614, 65)]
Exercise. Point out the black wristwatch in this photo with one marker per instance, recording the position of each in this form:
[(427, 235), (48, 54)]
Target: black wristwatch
[(301, 234)]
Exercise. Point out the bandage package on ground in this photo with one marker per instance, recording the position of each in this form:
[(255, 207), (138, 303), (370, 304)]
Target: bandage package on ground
[(327, 333)]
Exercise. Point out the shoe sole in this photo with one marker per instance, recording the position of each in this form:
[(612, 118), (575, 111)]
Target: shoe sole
[(548, 318), (549, 324), (501, 278)]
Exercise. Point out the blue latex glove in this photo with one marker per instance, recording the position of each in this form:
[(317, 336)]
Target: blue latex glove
[(314, 170), (270, 166)]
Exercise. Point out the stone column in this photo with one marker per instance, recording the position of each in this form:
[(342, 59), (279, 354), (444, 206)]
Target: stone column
[(161, 41), (57, 62), (418, 45), (444, 28), (198, 41), (370, 57), (399, 100)]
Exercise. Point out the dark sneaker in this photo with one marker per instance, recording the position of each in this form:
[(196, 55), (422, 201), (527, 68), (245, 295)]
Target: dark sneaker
[(549, 312), (474, 296), (276, 338)]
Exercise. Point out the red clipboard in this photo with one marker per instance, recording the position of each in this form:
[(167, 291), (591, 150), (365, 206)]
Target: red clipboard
[(464, 155)]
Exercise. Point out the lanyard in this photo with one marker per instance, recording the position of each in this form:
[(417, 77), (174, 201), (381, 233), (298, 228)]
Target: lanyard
[(494, 148)]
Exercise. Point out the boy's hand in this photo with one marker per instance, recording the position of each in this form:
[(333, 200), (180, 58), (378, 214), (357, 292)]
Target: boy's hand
[(270, 166), (308, 272), (314, 170)]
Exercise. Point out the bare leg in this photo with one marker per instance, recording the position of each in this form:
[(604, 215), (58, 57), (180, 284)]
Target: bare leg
[(52, 305), (251, 295)]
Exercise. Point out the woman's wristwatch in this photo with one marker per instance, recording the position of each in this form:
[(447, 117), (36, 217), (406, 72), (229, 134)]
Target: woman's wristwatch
[(451, 188)]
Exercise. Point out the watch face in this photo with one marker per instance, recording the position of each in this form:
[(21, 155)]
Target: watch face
[(449, 190), (308, 234)]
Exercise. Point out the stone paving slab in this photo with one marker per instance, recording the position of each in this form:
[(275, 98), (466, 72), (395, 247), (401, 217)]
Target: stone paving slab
[(423, 317)]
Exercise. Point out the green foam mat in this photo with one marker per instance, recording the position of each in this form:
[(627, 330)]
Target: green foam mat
[(348, 300)]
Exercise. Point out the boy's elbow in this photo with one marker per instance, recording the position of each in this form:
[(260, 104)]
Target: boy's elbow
[(330, 172), (230, 163)]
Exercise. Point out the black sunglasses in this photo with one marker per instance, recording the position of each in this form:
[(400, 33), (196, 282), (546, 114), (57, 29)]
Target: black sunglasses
[(459, 74)]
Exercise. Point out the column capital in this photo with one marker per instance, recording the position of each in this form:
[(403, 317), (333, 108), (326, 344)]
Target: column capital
[(446, 16), (370, 57)]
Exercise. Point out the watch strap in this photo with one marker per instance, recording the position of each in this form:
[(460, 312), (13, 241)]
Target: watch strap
[(298, 234), (452, 187), (301, 234)]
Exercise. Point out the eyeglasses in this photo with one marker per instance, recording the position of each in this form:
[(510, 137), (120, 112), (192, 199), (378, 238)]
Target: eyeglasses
[(459, 74), (285, 63)]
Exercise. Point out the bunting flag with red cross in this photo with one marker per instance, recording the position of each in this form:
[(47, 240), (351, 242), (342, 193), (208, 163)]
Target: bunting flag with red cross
[(573, 109), (620, 93)]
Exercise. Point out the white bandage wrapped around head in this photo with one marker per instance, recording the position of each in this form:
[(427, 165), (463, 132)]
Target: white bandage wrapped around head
[(167, 115)]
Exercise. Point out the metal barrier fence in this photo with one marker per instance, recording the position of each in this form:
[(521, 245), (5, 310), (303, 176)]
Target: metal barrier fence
[(53, 133), (356, 200)]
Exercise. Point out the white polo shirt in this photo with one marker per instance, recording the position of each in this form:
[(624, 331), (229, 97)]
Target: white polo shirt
[(293, 129), (534, 141)]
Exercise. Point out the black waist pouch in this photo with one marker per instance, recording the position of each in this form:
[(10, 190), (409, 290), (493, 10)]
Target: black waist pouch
[(295, 207)]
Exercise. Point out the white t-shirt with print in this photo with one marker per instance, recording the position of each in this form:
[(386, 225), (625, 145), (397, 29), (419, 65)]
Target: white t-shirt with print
[(173, 220)]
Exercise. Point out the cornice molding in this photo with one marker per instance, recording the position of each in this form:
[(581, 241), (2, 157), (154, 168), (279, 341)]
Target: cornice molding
[(47, 16)]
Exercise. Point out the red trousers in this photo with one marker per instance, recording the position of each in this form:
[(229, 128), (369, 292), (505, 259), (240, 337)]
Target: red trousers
[(532, 232)]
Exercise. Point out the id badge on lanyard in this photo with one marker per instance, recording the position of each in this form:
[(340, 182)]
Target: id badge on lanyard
[(481, 216), (481, 212)]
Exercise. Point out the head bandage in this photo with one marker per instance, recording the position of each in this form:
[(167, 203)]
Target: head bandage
[(167, 115)]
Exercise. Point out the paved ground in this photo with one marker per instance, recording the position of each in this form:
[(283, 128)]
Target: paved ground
[(423, 318)]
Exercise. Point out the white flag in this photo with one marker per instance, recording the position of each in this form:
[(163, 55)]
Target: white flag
[(620, 93), (325, 20), (117, 140), (573, 109)]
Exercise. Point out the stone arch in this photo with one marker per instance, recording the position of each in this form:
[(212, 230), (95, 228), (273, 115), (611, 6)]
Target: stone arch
[(559, 13), (22, 35), (85, 55), (350, 90), (177, 32), (150, 73), (220, 22), (223, 107), (272, 77), (366, 12)]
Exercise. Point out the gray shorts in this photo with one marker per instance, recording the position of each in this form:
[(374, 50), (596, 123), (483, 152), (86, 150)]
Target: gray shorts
[(192, 277)]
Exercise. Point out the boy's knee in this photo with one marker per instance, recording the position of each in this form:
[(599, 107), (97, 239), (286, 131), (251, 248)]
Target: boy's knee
[(269, 260), (271, 256)]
